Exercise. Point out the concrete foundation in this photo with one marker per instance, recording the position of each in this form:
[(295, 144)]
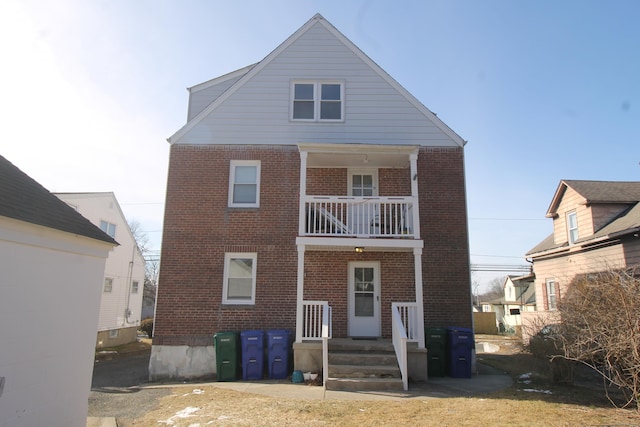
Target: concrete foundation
[(181, 362), (125, 336)]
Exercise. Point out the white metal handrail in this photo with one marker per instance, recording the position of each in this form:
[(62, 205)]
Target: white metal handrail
[(313, 316), (344, 216), (408, 312), (399, 338)]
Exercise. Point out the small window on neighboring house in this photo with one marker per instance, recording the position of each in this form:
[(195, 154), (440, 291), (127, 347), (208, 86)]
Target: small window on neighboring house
[(239, 278), (317, 101), (572, 227), (134, 287), (108, 228), (514, 311), (108, 284), (113, 333), (486, 308), (551, 294), (244, 184)]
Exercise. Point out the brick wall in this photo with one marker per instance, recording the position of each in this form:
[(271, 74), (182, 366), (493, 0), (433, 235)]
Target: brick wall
[(199, 228), (443, 224)]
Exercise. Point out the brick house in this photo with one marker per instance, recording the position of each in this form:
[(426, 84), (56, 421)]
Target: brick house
[(308, 183)]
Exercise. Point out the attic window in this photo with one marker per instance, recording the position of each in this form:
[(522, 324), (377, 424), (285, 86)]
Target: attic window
[(317, 101), (572, 227)]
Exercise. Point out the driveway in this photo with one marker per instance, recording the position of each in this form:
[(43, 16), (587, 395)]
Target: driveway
[(115, 390)]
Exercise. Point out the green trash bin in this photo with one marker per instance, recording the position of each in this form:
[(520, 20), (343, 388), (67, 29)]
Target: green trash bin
[(436, 343), (226, 345)]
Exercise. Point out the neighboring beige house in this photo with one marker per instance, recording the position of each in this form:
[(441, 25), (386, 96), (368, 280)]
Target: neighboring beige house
[(596, 226), (52, 261), (122, 290), (519, 296)]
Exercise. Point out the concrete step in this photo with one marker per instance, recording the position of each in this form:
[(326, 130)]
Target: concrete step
[(366, 359), (360, 371), (364, 384), (351, 345)]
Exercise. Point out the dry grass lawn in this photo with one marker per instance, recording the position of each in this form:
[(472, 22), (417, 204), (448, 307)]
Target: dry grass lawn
[(554, 405)]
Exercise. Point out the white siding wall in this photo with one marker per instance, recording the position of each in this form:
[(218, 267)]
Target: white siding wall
[(103, 206), (48, 311), (258, 113)]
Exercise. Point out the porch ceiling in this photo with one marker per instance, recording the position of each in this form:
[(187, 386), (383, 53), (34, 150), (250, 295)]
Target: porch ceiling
[(357, 155), (368, 245)]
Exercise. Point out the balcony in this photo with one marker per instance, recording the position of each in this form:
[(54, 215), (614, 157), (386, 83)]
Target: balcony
[(365, 217)]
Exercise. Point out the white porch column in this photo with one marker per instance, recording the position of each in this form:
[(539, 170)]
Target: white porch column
[(417, 257), (303, 192), (413, 161), (300, 294)]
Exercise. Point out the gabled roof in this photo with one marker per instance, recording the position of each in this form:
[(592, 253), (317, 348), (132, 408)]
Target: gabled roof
[(597, 192), (252, 70), (23, 199)]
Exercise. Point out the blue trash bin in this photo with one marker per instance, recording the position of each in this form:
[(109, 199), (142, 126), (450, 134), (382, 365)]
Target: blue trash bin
[(460, 343), (278, 353), (252, 354)]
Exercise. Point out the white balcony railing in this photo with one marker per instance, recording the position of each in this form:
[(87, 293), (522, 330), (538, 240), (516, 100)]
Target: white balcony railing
[(342, 216)]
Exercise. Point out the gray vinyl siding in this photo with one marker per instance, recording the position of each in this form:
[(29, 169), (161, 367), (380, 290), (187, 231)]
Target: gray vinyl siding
[(258, 112), (199, 100)]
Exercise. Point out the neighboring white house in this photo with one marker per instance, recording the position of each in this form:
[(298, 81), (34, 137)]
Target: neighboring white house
[(52, 262), (122, 290), (519, 296)]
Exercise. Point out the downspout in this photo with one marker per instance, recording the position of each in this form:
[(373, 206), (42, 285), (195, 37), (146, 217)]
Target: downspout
[(127, 311)]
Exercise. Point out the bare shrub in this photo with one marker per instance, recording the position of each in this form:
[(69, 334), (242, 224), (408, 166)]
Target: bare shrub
[(600, 328)]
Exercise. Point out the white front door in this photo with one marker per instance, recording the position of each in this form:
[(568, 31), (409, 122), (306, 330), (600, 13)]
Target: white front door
[(364, 299), (363, 215)]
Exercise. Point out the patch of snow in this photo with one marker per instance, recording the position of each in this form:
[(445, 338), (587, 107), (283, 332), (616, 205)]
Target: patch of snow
[(525, 376), (186, 412), (198, 391)]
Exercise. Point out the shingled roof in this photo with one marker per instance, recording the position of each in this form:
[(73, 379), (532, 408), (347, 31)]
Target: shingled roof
[(23, 199), (598, 192)]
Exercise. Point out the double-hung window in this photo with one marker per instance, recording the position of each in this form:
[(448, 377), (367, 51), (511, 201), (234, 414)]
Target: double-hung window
[(239, 278), (317, 101), (572, 227), (108, 285), (244, 184), (552, 302), (108, 228)]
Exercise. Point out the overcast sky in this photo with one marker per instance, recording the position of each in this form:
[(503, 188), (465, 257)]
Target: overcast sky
[(541, 90)]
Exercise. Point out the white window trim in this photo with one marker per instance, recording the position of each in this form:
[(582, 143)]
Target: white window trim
[(232, 174), (569, 229), (317, 85), (227, 259)]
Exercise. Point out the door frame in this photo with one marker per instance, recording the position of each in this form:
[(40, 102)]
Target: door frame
[(361, 218), (375, 327)]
